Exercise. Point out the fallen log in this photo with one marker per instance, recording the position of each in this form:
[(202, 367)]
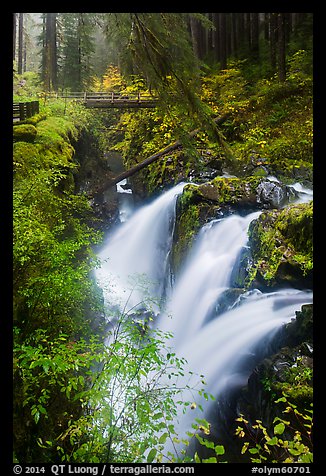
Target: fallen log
[(175, 145)]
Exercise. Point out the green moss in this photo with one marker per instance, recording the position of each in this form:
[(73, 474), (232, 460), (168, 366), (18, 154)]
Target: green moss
[(298, 383), (26, 156), (54, 130), (187, 225), (24, 132), (281, 243), (227, 191), (35, 119), (299, 395), (51, 147)]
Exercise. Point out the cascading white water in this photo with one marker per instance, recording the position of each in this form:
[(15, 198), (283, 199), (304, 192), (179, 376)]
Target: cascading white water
[(220, 347), (134, 259), (214, 345), (205, 276)]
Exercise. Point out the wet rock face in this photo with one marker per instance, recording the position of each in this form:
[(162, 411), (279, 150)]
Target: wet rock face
[(288, 371), (220, 197), (281, 245), (249, 192), (274, 195)]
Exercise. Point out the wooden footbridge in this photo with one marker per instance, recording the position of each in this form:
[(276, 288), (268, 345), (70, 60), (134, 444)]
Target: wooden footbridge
[(112, 99), (24, 110)]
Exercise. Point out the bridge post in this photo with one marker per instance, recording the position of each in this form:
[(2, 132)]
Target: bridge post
[(29, 109), (21, 111)]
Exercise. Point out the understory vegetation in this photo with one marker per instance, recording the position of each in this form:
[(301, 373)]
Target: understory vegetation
[(88, 392), (270, 124)]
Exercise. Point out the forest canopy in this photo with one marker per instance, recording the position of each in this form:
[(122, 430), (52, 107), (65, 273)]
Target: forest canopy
[(70, 49)]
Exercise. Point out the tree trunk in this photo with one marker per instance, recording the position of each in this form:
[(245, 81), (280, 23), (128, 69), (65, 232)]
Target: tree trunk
[(272, 39), (241, 30), (281, 47), (194, 36), (234, 35), (25, 57), (222, 40), (254, 36), (209, 35), (215, 39), (266, 26), (248, 30), (51, 52), (14, 36), (79, 35), (20, 43), (54, 63)]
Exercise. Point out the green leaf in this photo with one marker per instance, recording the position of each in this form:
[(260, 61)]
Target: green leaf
[(273, 441), (282, 399), (212, 459), (157, 416), (245, 447), (279, 429), (46, 368), (204, 442), (42, 409), (37, 416), (163, 438), (295, 452), (253, 451), (151, 455), (219, 449)]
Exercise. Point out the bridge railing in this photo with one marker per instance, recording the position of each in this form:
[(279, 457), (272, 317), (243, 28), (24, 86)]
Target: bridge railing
[(106, 95), (24, 110)]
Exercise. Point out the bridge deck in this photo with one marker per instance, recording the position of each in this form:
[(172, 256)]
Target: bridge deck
[(112, 99)]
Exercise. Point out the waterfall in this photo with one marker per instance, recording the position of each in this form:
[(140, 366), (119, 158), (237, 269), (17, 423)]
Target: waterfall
[(206, 275), (215, 344), (218, 346), (134, 258)]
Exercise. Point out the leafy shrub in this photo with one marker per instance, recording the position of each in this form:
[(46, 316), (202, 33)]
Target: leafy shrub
[(114, 401), (289, 441)]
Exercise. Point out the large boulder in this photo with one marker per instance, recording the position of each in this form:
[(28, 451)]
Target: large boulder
[(281, 247), (249, 192), (219, 197)]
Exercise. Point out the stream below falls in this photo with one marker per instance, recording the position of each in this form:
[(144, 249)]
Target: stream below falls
[(222, 343)]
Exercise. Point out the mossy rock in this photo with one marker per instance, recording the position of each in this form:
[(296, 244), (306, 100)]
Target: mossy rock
[(24, 133), (288, 372), (251, 192), (187, 225), (226, 191), (281, 243), (199, 204)]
